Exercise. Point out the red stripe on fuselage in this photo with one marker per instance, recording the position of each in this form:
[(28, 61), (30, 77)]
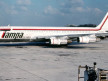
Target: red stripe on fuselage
[(61, 29), (5, 29), (67, 29)]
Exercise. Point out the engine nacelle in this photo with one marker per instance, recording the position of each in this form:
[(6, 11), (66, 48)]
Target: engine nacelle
[(59, 41), (88, 39)]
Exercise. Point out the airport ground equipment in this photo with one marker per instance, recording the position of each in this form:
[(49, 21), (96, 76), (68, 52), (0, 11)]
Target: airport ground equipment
[(92, 73)]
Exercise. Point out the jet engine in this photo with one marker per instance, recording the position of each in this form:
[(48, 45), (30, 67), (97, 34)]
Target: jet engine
[(88, 39), (59, 41)]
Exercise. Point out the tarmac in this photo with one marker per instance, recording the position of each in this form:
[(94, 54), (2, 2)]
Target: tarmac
[(48, 63)]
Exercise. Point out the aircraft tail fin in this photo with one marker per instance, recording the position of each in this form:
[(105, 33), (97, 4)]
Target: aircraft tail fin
[(103, 26)]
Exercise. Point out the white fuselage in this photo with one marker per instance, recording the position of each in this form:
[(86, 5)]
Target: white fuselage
[(33, 32), (55, 35)]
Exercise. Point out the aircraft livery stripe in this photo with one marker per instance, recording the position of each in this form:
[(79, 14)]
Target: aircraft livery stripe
[(103, 23), (92, 29), (5, 29), (62, 29), (70, 29)]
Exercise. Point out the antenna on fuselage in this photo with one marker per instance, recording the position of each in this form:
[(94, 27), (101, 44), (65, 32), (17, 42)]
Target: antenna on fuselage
[(9, 27), (8, 24)]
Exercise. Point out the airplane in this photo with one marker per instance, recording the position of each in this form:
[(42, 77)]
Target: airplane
[(54, 35)]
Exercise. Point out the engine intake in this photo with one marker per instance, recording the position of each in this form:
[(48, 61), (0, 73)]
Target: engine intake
[(88, 39), (59, 41)]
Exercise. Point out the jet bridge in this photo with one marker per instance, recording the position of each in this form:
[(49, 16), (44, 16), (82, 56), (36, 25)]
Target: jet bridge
[(87, 73)]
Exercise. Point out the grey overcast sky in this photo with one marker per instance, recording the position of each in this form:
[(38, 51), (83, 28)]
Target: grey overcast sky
[(51, 12)]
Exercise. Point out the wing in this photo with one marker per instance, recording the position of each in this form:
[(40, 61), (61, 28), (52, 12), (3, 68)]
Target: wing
[(66, 39), (70, 36), (101, 34)]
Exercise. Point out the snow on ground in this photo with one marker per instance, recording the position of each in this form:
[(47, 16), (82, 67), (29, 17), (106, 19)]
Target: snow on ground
[(44, 63)]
